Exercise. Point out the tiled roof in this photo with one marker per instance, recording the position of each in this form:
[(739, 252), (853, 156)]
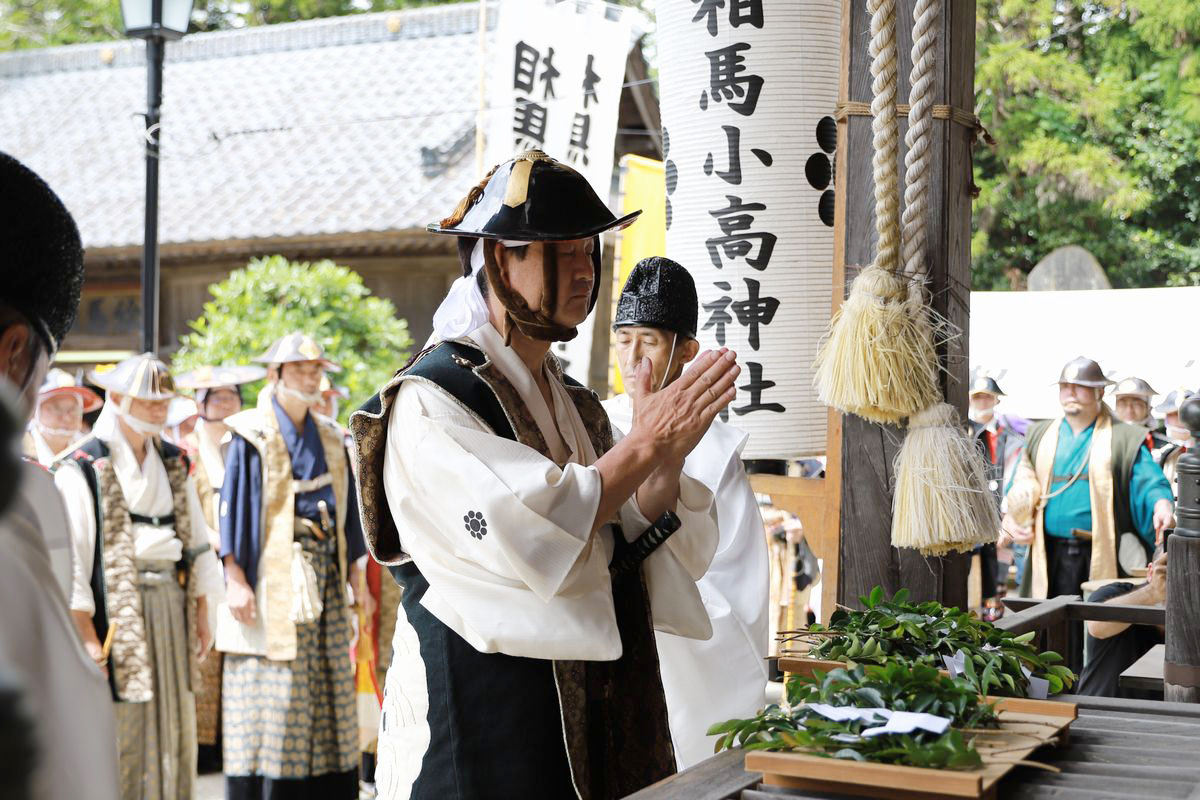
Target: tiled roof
[(299, 129)]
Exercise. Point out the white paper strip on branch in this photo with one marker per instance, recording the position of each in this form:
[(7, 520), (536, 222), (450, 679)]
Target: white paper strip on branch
[(745, 87), (555, 85)]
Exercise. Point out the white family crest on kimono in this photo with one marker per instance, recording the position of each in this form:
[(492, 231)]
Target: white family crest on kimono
[(723, 677)]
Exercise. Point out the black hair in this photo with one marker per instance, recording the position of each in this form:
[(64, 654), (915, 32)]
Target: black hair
[(40, 244)]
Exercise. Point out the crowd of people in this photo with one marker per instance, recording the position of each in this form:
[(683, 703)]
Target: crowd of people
[(1087, 499), (193, 561), (565, 593)]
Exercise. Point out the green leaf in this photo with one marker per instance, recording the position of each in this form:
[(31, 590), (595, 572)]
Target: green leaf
[(876, 597)]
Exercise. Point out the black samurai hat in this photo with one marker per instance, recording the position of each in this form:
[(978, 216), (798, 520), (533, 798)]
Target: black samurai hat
[(659, 293), (41, 251), (532, 198)]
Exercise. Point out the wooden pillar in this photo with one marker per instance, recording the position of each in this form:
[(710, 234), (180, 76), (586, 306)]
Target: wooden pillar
[(1181, 667), (868, 450)]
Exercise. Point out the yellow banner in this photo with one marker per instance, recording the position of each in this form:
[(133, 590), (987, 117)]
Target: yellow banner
[(644, 186)]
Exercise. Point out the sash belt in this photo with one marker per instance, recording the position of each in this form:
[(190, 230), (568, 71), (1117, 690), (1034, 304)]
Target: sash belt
[(159, 522)]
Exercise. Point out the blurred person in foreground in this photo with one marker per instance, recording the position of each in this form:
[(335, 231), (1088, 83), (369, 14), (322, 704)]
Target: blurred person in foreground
[(73, 752), (1087, 496), (724, 677), (144, 570), (537, 555)]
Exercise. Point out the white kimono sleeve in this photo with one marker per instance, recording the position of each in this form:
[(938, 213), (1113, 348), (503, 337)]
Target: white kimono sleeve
[(81, 519), (206, 571), (502, 535)]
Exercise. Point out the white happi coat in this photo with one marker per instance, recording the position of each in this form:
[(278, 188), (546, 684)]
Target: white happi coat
[(147, 491), (536, 584), (65, 694), (724, 677)]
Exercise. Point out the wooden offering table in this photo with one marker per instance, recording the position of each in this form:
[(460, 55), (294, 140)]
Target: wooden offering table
[(1116, 749)]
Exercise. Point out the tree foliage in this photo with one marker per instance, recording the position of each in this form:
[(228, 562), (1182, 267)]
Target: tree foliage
[(271, 297), (1095, 108), (42, 23)]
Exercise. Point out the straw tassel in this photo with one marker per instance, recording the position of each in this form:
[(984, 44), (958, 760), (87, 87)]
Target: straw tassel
[(941, 503), (878, 360)]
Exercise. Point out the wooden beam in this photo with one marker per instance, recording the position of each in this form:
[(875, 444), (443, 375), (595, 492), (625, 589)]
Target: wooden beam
[(868, 450)]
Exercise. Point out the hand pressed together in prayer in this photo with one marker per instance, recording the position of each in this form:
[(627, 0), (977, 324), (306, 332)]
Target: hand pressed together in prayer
[(676, 418), (667, 425)]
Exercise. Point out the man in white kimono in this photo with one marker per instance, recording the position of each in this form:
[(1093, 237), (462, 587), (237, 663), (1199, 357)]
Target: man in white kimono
[(725, 677), (524, 661), (143, 569), (62, 691)]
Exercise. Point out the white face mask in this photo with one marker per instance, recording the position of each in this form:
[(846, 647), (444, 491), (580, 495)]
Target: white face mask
[(139, 425), (1178, 434), (980, 415), (308, 398), (54, 433)]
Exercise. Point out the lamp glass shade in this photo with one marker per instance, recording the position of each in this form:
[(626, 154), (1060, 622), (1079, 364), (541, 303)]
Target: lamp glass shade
[(166, 18)]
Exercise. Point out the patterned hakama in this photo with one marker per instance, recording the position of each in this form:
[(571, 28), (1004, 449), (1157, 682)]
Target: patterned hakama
[(296, 720), (208, 700), (156, 740)]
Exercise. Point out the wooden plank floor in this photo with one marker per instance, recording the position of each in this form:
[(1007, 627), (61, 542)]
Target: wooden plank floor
[(1116, 749)]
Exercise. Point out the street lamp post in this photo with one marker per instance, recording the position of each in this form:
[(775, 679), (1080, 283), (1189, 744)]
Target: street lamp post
[(155, 21)]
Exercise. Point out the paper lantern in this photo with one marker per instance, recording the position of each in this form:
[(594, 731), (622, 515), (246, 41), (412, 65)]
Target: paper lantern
[(748, 91)]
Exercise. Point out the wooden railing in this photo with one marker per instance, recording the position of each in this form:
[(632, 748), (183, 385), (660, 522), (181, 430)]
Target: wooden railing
[(1054, 616)]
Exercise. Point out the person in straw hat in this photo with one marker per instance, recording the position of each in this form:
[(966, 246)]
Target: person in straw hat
[(290, 541), (1178, 438), (724, 677), (58, 417), (72, 753), (217, 395), (1087, 495), (144, 568), (1131, 401), (537, 555)]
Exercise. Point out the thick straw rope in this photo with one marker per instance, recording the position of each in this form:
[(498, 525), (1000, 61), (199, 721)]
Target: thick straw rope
[(941, 502), (920, 123), (886, 131)]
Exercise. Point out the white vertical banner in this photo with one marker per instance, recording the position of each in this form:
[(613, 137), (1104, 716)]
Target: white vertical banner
[(555, 85), (745, 85)]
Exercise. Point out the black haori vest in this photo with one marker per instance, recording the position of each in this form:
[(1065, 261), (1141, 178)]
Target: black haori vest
[(114, 570), (505, 726)]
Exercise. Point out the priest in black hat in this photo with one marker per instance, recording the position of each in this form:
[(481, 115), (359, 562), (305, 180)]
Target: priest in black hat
[(723, 677), (537, 556)]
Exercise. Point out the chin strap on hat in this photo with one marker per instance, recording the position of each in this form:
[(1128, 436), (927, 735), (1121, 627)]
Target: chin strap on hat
[(537, 324)]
